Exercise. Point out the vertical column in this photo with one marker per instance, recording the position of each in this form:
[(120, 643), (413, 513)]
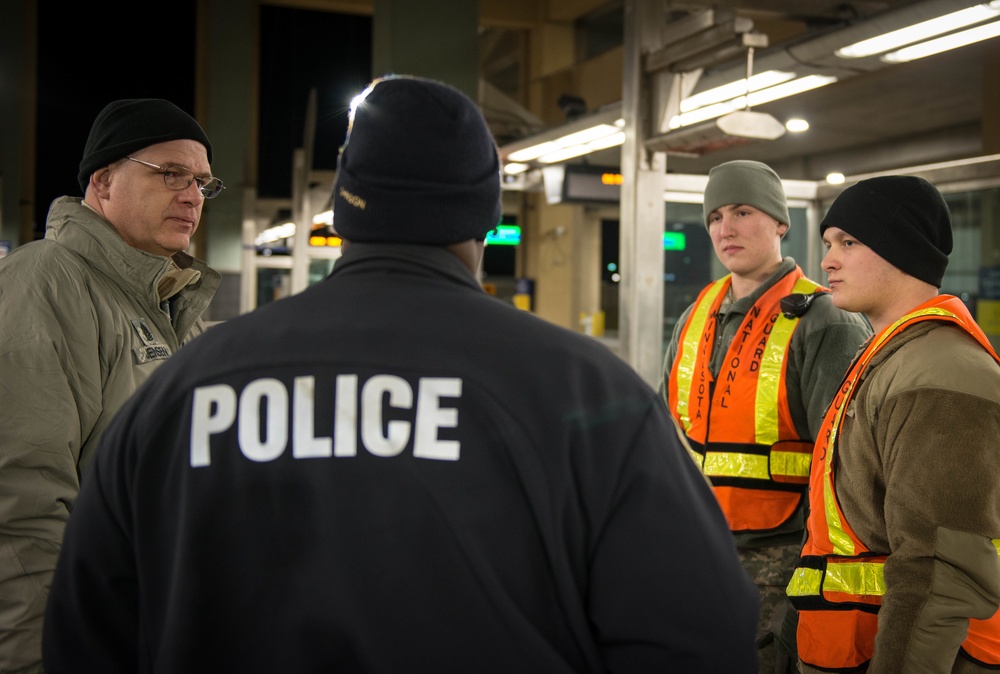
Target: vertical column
[(643, 211), (554, 250), (18, 27), (587, 272), (226, 104), (991, 98), (988, 305), (988, 302), (430, 38)]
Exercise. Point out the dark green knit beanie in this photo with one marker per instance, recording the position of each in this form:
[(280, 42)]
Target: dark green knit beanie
[(746, 182)]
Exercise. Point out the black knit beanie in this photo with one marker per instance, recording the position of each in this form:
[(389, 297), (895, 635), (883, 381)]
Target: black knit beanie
[(128, 125), (419, 166), (902, 218)]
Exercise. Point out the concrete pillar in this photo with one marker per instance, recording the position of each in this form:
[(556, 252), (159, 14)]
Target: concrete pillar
[(226, 104), (586, 272), (431, 38), (553, 252), (991, 98), (988, 305), (17, 121), (643, 211)]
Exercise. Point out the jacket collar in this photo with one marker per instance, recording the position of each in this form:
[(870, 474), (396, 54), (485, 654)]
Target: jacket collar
[(79, 228), (743, 304), (426, 259)]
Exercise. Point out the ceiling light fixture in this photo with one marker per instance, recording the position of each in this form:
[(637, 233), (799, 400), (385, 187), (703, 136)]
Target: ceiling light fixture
[(797, 125), (773, 93), (796, 86), (734, 89), (920, 31), (568, 143), (278, 232), (579, 149), (938, 45), (514, 168)]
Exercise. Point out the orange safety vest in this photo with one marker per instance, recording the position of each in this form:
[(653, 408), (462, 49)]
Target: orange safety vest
[(838, 584), (739, 426)]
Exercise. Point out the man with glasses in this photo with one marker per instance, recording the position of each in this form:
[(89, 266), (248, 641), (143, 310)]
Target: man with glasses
[(86, 315)]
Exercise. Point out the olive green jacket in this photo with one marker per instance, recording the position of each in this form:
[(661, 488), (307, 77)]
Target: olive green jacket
[(81, 327)]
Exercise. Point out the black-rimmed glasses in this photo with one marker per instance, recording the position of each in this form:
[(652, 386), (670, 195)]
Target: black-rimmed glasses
[(179, 178)]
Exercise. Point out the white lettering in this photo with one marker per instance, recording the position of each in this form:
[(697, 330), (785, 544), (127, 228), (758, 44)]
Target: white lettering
[(213, 410), (345, 421), (305, 444), (431, 417), (266, 424), (273, 396), (391, 440)]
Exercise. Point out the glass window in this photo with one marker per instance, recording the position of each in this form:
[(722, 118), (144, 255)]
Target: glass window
[(969, 210)]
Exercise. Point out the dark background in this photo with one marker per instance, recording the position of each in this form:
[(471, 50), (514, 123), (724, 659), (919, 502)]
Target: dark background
[(89, 58)]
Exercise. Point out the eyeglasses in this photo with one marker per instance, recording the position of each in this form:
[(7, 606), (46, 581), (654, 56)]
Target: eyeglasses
[(178, 178)]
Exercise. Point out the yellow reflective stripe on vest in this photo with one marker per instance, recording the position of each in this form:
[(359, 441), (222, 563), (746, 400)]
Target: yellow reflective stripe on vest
[(861, 578), (766, 404), (854, 578), (791, 464), (841, 541), (757, 466), (734, 464), (689, 352), (805, 582)]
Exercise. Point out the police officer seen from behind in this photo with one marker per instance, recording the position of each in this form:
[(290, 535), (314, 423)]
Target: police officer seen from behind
[(748, 374), (900, 573), (393, 471), (86, 315)]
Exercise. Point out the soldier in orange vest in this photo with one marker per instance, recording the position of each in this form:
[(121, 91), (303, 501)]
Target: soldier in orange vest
[(748, 374), (900, 569)]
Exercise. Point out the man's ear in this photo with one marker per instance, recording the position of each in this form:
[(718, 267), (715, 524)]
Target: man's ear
[(100, 182), (782, 229)]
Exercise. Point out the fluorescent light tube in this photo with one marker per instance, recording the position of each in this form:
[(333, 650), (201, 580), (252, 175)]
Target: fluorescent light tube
[(938, 45), (920, 31), (601, 133), (283, 231), (533, 152), (514, 168), (706, 113), (760, 97), (798, 86), (733, 89), (602, 143)]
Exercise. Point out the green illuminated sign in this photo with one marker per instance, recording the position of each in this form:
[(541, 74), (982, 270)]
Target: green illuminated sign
[(674, 241), (504, 235)]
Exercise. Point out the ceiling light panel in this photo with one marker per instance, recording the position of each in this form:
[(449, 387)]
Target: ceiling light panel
[(938, 45), (920, 31)]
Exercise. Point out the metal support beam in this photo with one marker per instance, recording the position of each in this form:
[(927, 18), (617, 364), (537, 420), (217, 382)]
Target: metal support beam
[(248, 252), (643, 211)]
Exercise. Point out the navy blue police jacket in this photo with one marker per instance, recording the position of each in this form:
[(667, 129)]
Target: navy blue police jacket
[(393, 471)]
